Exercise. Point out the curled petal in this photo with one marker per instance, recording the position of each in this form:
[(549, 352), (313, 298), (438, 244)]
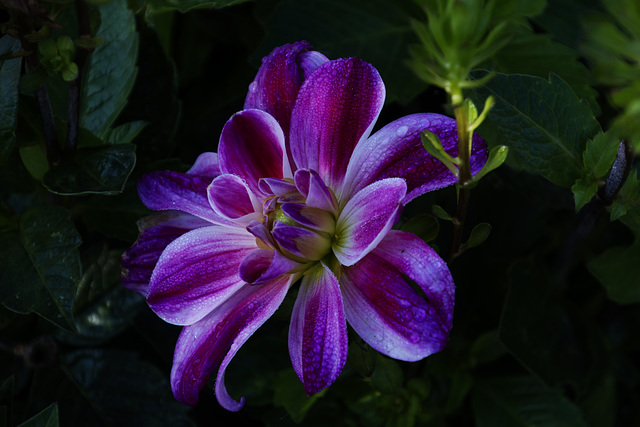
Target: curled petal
[(396, 151), (206, 165), (318, 332), (337, 106), (367, 218), (386, 311), (231, 198), (251, 147), (301, 242), (262, 233), (197, 272), (156, 232), (277, 187), (317, 219), (279, 78), (209, 345), (262, 265), (167, 190), (317, 194)]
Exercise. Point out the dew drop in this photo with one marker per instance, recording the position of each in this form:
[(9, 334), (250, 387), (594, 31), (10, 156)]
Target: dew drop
[(402, 131), (414, 337), (253, 87), (419, 314)]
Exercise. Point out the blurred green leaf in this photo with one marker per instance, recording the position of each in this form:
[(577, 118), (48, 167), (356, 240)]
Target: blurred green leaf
[(187, 5), (542, 121), (124, 390), (9, 85), (377, 31), (387, 375), (628, 201), (48, 417), (487, 348), (99, 170), (583, 191), (125, 133), (478, 235), (289, 394), (41, 266), (111, 69), (424, 226), (522, 401), (618, 270), (362, 357), (600, 153)]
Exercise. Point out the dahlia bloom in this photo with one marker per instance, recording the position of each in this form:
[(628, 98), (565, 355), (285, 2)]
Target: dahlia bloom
[(298, 191)]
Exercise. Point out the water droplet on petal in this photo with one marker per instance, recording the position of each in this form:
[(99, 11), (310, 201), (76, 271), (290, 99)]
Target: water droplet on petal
[(419, 314), (402, 131), (253, 87), (414, 337)]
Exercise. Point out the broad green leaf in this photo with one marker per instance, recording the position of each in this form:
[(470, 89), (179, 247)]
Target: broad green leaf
[(424, 226), (9, 83), (361, 357), (96, 170), (187, 5), (523, 401), (35, 160), (618, 270), (111, 69), (628, 201), (289, 394), (583, 191), (387, 375), (600, 153), (542, 121), (48, 417), (122, 389), (103, 307), (538, 330), (377, 31), (41, 266), (125, 133)]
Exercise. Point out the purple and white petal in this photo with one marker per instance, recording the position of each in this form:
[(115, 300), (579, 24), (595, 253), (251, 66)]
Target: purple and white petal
[(317, 219), (386, 311), (197, 272), (263, 265), (300, 242), (279, 78), (396, 151), (167, 190), (337, 106), (156, 232), (209, 345), (232, 199), (277, 187), (318, 331), (367, 218), (207, 165), (317, 194), (251, 147)]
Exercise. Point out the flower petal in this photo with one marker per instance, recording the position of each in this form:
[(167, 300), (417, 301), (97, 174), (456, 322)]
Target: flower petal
[(396, 151), (317, 219), (211, 343), (251, 147), (231, 198), (276, 85), (206, 165), (367, 218), (386, 311), (156, 232), (262, 265), (197, 272), (337, 106), (317, 194), (318, 332), (167, 190), (301, 242)]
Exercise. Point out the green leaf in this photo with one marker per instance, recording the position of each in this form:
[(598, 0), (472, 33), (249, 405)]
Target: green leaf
[(424, 226), (497, 157), (41, 266), (289, 394), (187, 5), (125, 133), (478, 235), (618, 270), (377, 31), (441, 213), (123, 390), (111, 69), (583, 191), (387, 375), (600, 153), (522, 401), (542, 121), (628, 201), (9, 85), (48, 417), (99, 170)]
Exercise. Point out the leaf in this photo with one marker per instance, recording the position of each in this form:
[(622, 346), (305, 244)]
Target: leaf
[(41, 266), (99, 170), (387, 375), (583, 191), (187, 5), (124, 390), (111, 69), (48, 417), (543, 123), (9, 85), (424, 226), (377, 31), (289, 394), (618, 270), (628, 202), (479, 234), (125, 133), (600, 153), (522, 401)]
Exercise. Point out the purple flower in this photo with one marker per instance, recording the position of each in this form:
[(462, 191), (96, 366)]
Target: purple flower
[(298, 190)]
